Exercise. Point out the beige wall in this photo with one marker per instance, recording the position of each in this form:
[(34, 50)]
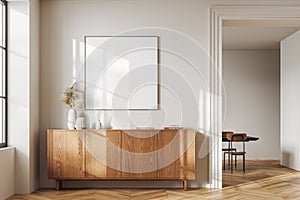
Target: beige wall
[(251, 99)]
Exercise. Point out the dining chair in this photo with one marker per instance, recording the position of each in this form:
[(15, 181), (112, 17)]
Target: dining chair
[(228, 149), (237, 137)]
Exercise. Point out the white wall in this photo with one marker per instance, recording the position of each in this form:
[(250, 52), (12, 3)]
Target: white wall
[(7, 182), (23, 91), (290, 98), (251, 99), (64, 24)]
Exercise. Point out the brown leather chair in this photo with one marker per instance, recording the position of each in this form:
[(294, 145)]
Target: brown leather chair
[(237, 137), (227, 150)]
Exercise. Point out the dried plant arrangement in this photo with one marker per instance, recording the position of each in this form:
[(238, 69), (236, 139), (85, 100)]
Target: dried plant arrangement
[(73, 96)]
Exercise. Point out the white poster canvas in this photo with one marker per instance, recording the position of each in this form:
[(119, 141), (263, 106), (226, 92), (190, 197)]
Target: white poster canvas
[(121, 72)]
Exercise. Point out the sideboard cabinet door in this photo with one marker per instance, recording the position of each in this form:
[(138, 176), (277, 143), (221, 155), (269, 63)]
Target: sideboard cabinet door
[(139, 154), (176, 154), (103, 154), (66, 154)]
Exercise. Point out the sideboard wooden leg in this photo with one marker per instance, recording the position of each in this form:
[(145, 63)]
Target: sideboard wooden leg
[(185, 185), (58, 185)]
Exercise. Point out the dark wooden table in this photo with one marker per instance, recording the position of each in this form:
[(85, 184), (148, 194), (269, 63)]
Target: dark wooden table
[(249, 138)]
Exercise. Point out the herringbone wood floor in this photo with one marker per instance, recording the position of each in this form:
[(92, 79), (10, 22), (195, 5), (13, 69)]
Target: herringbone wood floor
[(263, 180)]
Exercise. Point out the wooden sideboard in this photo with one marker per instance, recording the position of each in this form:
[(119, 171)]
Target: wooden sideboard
[(121, 155)]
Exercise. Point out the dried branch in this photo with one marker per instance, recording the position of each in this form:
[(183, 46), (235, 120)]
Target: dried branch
[(73, 97)]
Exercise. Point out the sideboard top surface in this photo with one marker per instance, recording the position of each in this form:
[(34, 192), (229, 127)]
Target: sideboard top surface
[(62, 129)]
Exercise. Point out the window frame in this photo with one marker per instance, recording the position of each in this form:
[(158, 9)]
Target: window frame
[(5, 75)]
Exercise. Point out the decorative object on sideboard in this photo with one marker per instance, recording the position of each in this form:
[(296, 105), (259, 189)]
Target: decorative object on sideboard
[(173, 126), (80, 123), (85, 116), (71, 119), (98, 117), (72, 97)]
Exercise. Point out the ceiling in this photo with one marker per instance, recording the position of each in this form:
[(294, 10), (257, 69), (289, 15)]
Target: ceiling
[(257, 34)]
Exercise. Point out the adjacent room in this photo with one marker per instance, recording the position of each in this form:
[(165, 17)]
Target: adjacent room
[(251, 96)]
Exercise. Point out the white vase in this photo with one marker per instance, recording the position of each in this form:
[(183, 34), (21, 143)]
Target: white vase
[(71, 119)]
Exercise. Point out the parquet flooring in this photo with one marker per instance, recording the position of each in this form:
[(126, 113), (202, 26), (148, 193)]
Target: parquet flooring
[(263, 180), (255, 170)]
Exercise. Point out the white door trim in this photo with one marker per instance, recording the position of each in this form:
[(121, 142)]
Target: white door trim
[(217, 15)]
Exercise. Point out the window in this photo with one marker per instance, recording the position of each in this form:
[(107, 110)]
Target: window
[(3, 73)]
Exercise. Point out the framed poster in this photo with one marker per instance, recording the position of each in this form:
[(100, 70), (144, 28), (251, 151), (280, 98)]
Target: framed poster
[(121, 72)]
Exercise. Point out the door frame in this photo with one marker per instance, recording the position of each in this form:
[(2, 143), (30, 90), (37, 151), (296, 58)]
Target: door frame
[(217, 15)]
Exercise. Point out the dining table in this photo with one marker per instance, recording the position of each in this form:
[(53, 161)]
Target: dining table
[(248, 139)]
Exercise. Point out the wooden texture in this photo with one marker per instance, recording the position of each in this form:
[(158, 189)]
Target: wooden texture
[(256, 170), (263, 180), (121, 154), (103, 154), (176, 154), (66, 154), (139, 154)]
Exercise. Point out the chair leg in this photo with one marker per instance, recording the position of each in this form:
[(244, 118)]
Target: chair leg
[(228, 155), (244, 163), (235, 162), (231, 166), (228, 160), (224, 165)]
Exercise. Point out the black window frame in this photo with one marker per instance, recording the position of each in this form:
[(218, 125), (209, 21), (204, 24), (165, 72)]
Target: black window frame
[(4, 47)]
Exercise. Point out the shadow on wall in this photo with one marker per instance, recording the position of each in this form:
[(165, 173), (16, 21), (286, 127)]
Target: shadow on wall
[(202, 159), (287, 159)]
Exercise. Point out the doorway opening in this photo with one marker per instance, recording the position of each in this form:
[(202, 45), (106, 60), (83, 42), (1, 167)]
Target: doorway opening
[(246, 16), (251, 93)]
